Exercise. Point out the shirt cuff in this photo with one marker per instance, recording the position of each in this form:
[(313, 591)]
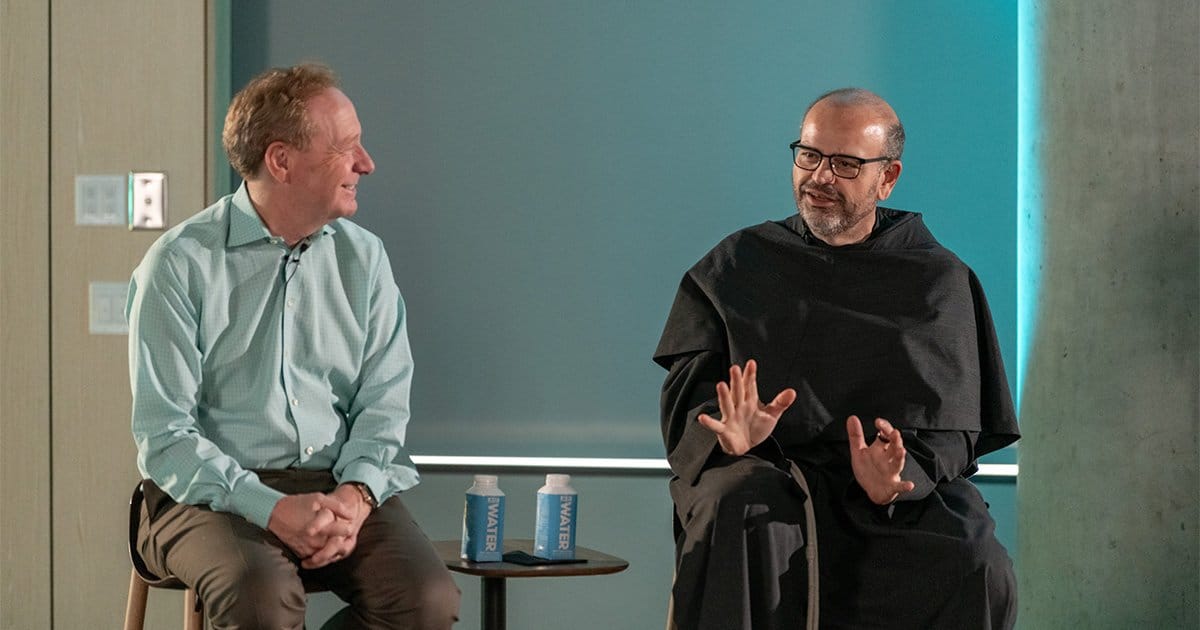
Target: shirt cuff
[(367, 474), (254, 501)]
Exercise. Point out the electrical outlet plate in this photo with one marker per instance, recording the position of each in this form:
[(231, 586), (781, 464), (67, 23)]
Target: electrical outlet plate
[(147, 201)]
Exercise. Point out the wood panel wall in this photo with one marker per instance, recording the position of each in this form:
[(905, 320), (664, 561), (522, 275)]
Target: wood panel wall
[(24, 315), (89, 87)]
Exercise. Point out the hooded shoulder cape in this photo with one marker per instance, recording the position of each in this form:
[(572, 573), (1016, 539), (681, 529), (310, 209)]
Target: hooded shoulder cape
[(896, 327)]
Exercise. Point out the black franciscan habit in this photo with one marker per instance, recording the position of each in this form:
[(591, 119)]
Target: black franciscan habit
[(896, 327)]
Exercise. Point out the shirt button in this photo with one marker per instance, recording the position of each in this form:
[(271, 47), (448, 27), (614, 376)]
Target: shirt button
[(291, 303), (295, 402), (308, 451)]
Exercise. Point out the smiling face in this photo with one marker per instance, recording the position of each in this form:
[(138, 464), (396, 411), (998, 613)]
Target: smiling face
[(842, 211), (323, 176)]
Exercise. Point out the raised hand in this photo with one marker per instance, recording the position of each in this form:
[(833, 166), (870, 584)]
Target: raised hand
[(877, 467), (745, 422)]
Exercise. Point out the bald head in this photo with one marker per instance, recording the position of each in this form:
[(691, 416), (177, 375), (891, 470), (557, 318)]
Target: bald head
[(877, 108), (856, 133)]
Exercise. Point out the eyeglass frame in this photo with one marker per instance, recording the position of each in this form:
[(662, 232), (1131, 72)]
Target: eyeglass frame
[(861, 161)]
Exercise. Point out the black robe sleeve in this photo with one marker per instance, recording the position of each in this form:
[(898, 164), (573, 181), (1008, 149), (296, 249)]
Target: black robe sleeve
[(999, 415), (688, 391), (936, 457), (694, 352)]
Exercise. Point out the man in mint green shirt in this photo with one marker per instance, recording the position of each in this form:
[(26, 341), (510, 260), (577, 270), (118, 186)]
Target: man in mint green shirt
[(270, 368)]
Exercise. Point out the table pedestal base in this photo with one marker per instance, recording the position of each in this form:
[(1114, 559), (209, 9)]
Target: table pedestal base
[(493, 616)]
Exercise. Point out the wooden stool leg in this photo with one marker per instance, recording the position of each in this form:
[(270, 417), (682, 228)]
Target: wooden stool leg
[(135, 606), (192, 619), (671, 609)]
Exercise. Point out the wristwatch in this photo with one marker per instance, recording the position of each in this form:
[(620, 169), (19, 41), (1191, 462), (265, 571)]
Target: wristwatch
[(366, 493)]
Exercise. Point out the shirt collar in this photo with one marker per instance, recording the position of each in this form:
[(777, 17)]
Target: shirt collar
[(245, 226)]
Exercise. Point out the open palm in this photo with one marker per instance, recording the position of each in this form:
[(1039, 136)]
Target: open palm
[(877, 467), (745, 422)]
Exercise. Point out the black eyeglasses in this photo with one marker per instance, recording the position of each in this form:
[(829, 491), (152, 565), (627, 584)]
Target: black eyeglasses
[(844, 166)]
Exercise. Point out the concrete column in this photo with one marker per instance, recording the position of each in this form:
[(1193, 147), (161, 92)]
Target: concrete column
[(1108, 499)]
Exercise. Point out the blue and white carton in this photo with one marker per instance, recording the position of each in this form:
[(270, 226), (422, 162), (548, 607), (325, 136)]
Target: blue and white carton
[(483, 521), (557, 512)]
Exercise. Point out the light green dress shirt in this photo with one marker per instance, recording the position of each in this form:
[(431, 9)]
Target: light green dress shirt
[(241, 358)]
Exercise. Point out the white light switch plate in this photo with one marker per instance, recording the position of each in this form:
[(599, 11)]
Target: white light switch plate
[(106, 308), (147, 201), (100, 199)]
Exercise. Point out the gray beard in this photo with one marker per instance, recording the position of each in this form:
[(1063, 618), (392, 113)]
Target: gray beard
[(829, 222)]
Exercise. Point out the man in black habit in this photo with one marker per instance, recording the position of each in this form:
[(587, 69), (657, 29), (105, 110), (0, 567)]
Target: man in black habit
[(794, 513)]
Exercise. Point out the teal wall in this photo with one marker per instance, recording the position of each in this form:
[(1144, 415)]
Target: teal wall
[(548, 170)]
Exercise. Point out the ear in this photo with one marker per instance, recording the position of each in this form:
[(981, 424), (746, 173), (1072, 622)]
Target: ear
[(277, 161), (890, 175)]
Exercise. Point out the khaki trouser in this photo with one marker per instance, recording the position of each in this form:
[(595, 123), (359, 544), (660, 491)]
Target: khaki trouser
[(247, 578)]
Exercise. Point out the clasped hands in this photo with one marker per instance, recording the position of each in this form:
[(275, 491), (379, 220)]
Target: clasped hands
[(320, 528), (746, 422)]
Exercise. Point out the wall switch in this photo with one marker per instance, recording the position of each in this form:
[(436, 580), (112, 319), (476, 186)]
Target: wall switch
[(106, 308), (147, 201), (100, 199)]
